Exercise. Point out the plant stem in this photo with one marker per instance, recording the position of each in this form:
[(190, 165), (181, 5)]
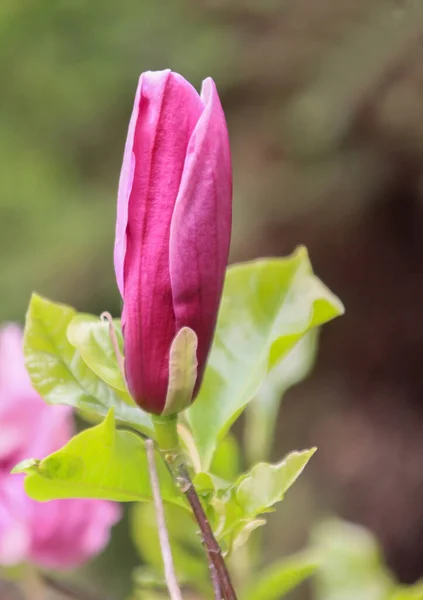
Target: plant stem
[(166, 434), (170, 575), (214, 578), (213, 549), (168, 443)]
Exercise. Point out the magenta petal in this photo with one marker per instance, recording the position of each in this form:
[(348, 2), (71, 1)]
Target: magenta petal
[(168, 111), (19, 403), (58, 534), (54, 428), (14, 379), (15, 532), (125, 186), (66, 533), (201, 225)]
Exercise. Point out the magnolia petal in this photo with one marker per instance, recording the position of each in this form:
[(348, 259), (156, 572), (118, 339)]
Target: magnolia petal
[(20, 405), (125, 185), (201, 225), (169, 111), (182, 371)]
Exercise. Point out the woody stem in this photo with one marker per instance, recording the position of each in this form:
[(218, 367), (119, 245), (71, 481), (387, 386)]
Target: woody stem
[(213, 549), (168, 443)]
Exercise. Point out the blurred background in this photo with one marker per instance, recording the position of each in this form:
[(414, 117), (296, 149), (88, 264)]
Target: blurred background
[(324, 102)]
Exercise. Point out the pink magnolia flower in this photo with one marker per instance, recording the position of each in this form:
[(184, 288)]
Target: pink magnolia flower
[(57, 534), (173, 228)]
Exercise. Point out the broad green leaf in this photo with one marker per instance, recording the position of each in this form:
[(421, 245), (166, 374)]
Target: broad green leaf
[(266, 484), (351, 565), (226, 460), (261, 415), (90, 335), (235, 509), (281, 577), (408, 592), (59, 373), (267, 306), (100, 462), (207, 483), (241, 533), (256, 493), (187, 551)]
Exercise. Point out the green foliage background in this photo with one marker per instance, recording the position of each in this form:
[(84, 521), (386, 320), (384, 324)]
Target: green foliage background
[(68, 75)]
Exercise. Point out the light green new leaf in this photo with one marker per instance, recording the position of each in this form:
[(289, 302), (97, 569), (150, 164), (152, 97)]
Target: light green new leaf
[(261, 415), (227, 459), (235, 509), (351, 564), (281, 577), (187, 550), (266, 484), (100, 462), (90, 335), (405, 592), (61, 375), (267, 306)]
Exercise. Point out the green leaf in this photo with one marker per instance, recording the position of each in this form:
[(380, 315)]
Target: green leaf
[(100, 462), (60, 374), (91, 337), (351, 565), (261, 415), (412, 592), (267, 306), (227, 460), (408, 592), (266, 484), (234, 508), (281, 577), (187, 551)]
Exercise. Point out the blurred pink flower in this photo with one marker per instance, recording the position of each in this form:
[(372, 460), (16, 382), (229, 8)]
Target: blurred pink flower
[(58, 534)]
